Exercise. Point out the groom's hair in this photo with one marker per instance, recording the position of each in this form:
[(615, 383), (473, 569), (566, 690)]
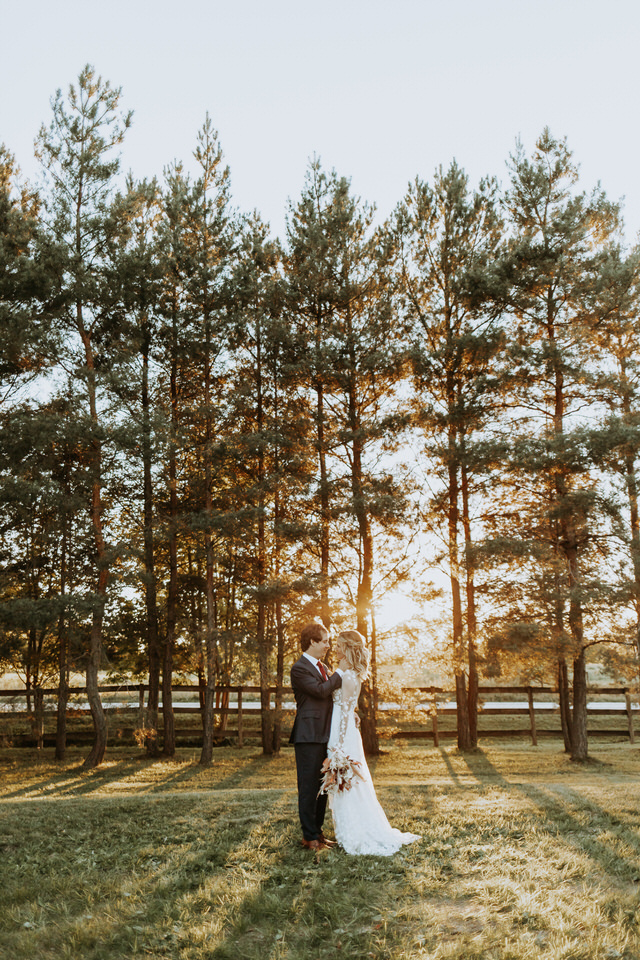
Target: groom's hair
[(311, 633)]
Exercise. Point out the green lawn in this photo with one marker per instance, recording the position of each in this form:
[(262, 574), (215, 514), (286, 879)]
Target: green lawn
[(525, 855)]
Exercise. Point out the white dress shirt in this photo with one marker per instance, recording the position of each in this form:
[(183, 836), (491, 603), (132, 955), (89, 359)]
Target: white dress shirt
[(315, 662)]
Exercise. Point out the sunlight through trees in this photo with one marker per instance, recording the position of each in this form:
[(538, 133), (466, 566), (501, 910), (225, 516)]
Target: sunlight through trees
[(209, 435)]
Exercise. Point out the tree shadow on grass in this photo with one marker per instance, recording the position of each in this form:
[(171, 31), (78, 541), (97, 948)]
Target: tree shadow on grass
[(316, 906), (166, 886), (189, 771), (561, 810), (193, 886), (193, 772), (74, 782), (451, 769), (241, 776), (567, 807)]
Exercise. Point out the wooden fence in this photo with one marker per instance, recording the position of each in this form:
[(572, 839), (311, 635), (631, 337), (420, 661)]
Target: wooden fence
[(549, 708), (430, 705)]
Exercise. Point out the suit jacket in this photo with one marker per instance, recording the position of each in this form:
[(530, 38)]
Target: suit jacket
[(314, 703)]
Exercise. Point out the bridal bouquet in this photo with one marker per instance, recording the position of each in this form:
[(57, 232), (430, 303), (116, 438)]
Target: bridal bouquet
[(339, 772)]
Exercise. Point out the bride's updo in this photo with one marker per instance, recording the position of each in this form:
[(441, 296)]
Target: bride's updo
[(355, 652)]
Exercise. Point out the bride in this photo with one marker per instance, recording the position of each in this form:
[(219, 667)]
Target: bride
[(360, 824)]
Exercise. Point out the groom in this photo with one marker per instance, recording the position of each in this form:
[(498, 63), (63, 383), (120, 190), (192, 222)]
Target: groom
[(312, 687)]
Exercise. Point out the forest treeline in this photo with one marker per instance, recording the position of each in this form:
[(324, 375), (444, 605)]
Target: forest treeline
[(209, 435)]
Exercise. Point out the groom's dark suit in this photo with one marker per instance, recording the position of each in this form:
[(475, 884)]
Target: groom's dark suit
[(310, 734)]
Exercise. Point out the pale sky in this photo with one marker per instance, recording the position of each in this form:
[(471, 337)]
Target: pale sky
[(381, 91)]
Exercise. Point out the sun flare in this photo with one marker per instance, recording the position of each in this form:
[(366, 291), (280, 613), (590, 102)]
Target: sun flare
[(394, 609)]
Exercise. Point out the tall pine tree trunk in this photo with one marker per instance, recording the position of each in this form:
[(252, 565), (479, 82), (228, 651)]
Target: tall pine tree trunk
[(277, 549), (210, 640), (579, 742), (38, 715), (277, 720), (63, 639), (631, 480), (168, 719), (210, 650), (196, 627), (366, 702), (472, 628), (63, 688), (632, 489), (563, 676), (325, 510), (462, 704), (262, 632), (150, 588), (94, 661), (266, 715), (92, 678), (564, 703), (568, 545)]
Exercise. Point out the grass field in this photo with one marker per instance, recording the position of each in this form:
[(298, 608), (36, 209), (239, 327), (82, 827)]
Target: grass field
[(524, 855)]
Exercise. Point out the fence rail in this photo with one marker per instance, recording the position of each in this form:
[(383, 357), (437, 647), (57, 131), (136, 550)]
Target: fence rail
[(429, 701)]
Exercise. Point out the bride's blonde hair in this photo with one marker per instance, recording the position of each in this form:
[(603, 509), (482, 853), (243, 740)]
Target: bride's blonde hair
[(355, 652)]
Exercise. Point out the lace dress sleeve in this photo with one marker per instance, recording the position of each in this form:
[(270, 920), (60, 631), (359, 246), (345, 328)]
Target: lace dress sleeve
[(349, 702), (339, 770)]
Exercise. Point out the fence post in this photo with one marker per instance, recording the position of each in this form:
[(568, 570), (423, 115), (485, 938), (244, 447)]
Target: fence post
[(240, 731), (532, 718), (627, 697), (434, 721)]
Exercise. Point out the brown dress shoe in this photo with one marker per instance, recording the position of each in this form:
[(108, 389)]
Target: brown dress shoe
[(327, 842), (315, 845)]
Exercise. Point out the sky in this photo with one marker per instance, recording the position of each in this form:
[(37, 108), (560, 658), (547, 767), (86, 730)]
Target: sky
[(380, 90)]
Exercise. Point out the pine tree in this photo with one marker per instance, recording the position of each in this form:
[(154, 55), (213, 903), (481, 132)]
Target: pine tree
[(448, 239), (314, 229), (616, 340), (340, 277), (207, 292), (197, 243), (77, 152), (555, 259), (173, 349), (133, 276), (269, 443)]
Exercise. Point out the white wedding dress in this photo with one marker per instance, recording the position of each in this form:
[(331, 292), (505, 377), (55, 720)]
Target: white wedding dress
[(360, 824)]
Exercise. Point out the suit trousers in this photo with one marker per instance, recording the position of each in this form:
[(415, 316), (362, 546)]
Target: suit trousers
[(311, 807)]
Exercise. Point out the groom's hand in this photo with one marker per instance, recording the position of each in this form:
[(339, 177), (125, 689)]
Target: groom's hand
[(357, 721)]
